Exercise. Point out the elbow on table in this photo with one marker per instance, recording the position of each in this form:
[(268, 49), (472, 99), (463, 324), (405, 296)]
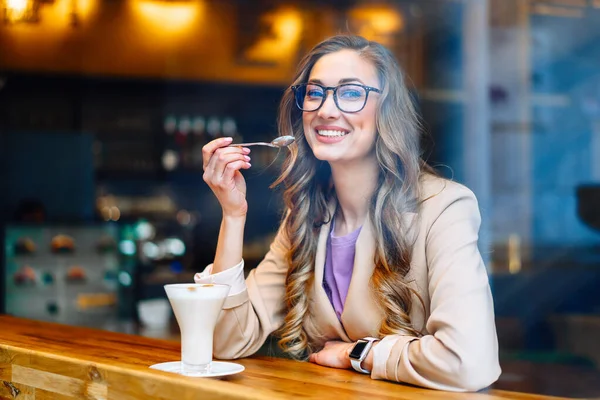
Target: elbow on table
[(220, 354), (232, 347), (227, 351), (477, 374)]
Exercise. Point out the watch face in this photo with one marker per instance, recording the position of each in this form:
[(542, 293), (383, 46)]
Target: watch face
[(358, 349)]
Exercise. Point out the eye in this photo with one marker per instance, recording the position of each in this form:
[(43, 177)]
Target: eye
[(351, 93), (314, 92)]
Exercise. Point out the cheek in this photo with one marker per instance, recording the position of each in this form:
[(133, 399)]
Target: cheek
[(364, 123), (367, 127), (367, 123), (305, 119), (306, 123), (370, 116)]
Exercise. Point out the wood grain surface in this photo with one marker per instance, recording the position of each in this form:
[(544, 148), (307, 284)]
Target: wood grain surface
[(40, 361)]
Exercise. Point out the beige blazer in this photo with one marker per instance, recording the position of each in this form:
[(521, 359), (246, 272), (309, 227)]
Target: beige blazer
[(459, 349)]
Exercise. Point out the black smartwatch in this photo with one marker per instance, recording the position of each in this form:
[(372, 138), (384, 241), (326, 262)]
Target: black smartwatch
[(359, 353)]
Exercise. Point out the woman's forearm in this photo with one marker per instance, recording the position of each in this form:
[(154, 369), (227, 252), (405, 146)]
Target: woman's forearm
[(230, 243)]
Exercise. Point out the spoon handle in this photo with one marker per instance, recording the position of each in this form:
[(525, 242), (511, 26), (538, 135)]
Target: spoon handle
[(251, 144)]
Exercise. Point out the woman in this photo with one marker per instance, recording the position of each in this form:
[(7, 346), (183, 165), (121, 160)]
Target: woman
[(376, 264)]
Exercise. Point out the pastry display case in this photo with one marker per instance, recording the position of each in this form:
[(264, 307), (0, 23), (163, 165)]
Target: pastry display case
[(75, 275)]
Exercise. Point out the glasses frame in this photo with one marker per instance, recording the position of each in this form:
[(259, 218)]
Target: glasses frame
[(334, 89)]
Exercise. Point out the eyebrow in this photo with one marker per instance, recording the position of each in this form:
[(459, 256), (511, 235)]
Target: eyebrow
[(340, 82)]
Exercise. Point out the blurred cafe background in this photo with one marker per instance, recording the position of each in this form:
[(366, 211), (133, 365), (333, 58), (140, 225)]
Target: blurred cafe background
[(105, 106)]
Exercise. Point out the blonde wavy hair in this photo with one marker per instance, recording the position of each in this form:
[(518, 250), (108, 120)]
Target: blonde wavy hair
[(308, 193)]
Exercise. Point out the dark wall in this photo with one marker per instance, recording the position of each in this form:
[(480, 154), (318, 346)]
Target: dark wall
[(53, 168), (71, 136)]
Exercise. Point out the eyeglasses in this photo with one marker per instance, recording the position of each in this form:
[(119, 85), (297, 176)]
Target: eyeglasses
[(349, 98)]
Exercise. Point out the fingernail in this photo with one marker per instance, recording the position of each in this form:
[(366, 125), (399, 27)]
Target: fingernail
[(246, 150), (249, 165), (228, 139), (247, 158)]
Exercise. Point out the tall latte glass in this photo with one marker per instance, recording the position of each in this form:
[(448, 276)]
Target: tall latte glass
[(196, 308)]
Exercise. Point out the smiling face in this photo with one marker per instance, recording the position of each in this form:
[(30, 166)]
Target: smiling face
[(333, 135)]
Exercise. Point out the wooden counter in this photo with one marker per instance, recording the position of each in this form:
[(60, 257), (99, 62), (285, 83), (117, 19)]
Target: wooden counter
[(42, 361)]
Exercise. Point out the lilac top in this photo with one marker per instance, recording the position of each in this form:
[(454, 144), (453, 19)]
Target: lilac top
[(339, 263)]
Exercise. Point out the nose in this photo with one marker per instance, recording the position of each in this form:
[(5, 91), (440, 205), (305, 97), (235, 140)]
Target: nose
[(329, 109)]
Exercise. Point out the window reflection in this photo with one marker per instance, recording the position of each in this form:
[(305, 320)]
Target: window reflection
[(508, 90)]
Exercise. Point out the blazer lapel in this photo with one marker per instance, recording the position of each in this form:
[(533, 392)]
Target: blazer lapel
[(362, 317), (323, 313)]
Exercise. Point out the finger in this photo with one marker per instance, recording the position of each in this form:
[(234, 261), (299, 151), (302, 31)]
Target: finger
[(323, 358), (221, 155), (220, 160), (232, 167), (215, 176), (211, 147)]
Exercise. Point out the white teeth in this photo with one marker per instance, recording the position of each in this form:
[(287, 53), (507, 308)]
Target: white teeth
[(332, 133)]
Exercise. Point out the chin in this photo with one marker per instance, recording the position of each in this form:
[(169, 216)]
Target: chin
[(327, 155), (328, 152)]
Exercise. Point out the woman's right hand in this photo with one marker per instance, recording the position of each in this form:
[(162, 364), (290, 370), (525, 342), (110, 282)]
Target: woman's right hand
[(222, 167)]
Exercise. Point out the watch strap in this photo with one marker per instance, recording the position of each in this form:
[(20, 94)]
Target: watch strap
[(357, 363)]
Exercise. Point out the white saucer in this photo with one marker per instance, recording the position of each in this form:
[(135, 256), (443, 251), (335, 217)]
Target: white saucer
[(217, 368)]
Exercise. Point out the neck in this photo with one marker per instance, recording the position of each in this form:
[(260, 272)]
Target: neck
[(354, 185)]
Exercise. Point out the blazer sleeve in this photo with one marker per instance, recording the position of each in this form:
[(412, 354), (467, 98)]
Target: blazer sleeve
[(460, 351), (249, 317)]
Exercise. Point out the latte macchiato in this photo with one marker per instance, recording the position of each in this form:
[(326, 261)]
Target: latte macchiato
[(196, 308)]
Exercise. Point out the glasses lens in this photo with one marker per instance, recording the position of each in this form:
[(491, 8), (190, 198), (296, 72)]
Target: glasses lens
[(309, 97), (351, 98)]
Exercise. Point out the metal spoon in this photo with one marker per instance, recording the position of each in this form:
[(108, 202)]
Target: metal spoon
[(278, 142)]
